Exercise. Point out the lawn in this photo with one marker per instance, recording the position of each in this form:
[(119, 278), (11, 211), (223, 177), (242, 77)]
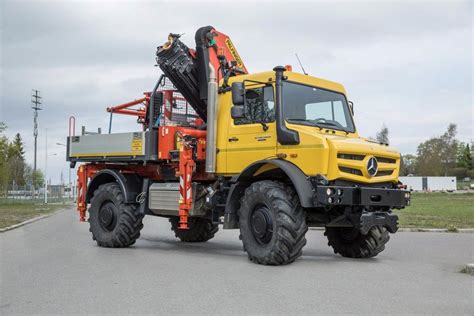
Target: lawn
[(439, 210), (14, 213)]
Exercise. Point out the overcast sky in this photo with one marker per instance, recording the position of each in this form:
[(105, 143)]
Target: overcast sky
[(405, 64)]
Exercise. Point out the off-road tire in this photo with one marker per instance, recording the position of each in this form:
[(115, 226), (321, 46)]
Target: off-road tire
[(124, 228), (200, 229), (285, 216), (358, 245)]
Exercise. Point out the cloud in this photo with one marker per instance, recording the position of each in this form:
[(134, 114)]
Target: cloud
[(406, 64)]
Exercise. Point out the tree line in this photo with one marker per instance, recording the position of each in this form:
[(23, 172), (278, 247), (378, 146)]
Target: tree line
[(14, 171), (442, 155)]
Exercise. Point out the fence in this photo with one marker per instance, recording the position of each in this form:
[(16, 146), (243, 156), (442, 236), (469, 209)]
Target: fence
[(25, 194)]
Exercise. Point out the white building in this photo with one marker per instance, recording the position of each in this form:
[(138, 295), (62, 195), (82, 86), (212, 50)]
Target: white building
[(430, 183)]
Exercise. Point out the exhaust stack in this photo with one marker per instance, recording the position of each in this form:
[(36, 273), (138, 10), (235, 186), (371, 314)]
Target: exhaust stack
[(211, 121)]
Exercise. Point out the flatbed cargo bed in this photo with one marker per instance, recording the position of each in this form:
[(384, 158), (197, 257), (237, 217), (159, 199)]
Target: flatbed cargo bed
[(107, 147)]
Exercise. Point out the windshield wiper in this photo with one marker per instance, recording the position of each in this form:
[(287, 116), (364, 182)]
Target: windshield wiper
[(336, 125), (321, 125), (305, 121)]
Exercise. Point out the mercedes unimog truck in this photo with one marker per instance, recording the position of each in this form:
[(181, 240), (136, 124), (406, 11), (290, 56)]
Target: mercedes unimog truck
[(268, 153)]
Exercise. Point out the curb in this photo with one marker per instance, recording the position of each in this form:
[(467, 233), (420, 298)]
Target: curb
[(437, 230), (31, 220), (423, 230), (468, 268)]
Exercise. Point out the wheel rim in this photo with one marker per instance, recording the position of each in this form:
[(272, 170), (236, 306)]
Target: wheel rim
[(261, 224), (107, 218)]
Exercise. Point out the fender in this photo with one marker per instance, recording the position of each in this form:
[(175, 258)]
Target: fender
[(300, 181), (130, 184)]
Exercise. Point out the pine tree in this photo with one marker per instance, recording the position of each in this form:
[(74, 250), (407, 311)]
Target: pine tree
[(466, 158), (16, 161), (4, 174)]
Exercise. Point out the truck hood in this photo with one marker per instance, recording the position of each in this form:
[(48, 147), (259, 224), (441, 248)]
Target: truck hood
[(361, 160), (341, 156)]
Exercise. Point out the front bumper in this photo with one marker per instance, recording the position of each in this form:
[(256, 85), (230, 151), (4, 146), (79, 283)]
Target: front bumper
[(334, 195)]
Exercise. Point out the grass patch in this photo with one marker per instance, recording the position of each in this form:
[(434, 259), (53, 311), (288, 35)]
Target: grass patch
[(14, 213), (438, 210)]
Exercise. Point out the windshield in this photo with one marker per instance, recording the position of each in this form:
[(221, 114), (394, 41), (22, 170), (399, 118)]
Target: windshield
[(315, 106)]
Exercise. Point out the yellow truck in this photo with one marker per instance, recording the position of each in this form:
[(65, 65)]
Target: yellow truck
[(269, 153)]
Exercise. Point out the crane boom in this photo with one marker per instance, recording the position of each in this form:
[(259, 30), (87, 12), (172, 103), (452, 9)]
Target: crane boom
[(188, 69)]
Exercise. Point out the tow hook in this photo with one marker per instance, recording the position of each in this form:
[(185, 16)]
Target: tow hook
[(371, 219)]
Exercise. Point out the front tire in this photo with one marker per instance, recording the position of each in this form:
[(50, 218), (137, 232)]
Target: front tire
[(113, 223), (272, 223), (349, 242), (200, 229)]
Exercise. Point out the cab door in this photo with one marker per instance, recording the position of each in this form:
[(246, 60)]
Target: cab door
[(252, 137)]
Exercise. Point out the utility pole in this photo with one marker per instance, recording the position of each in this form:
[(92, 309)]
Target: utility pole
[(46, 167), (36, 106)]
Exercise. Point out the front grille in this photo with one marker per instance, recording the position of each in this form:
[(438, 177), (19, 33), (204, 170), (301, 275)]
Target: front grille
[(385, 160), (358, 169), (351, 156), (351, 170), (384, 173)]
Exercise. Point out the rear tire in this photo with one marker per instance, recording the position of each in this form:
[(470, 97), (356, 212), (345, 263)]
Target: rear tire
[(349, 242), (113, 223), (200, 229), (272, 223)]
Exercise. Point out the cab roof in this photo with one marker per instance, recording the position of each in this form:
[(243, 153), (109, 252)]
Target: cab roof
[(292, 76)]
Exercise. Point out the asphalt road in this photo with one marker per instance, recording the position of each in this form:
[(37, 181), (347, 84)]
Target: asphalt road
[(52, 266)]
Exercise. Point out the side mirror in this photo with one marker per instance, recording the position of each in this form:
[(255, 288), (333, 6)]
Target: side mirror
[(351, 107), (237, 111), (238, 92)]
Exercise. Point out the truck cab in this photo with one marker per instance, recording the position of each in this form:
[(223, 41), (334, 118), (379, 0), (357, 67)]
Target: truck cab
[(317, 111)]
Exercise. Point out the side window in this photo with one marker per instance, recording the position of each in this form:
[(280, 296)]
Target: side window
[(259, 106)]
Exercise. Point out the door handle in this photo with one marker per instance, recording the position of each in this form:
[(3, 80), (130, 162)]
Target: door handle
[(233, 139)]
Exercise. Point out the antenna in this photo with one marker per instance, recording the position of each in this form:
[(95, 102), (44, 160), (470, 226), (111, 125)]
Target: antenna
[(301, 65)]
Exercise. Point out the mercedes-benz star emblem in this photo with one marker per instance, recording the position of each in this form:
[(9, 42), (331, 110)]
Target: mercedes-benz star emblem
[(372, 166)]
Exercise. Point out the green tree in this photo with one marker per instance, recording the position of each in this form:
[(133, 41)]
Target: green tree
[(464, 158), (4, 174), (437, 155), (430, 162), (39, 178), (34, 178), (382, 135), (16, 160), (407, 164), (450, 148)]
